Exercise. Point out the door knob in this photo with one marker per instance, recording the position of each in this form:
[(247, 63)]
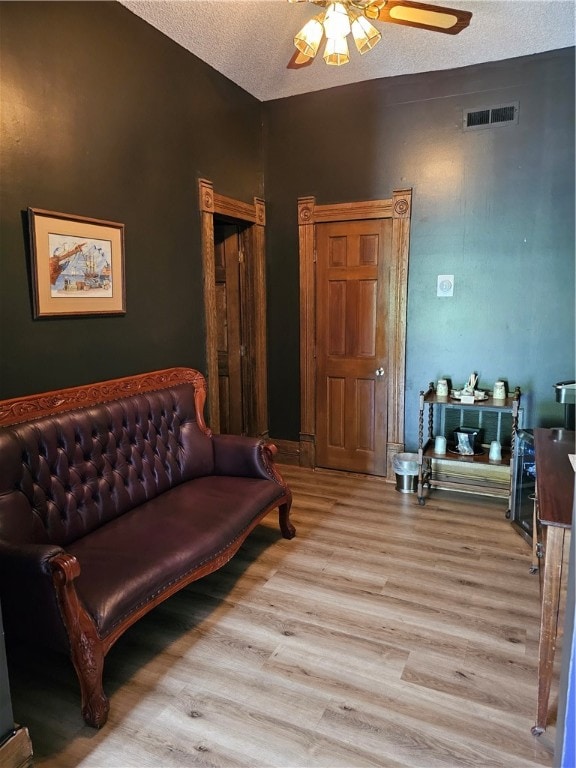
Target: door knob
[(379, 371)]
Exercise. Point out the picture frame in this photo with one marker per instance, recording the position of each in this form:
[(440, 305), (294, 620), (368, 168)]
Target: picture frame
[(77, 265)]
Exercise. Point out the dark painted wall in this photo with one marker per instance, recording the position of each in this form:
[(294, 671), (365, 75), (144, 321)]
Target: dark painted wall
[(493, 207), (103, 116)]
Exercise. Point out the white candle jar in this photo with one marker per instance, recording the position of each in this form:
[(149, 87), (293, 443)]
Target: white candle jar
[(442, 388), (499, 391)]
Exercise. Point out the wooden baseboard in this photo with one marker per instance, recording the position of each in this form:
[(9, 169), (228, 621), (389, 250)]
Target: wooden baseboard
[(301, 454), (16, 751), (288, 451)]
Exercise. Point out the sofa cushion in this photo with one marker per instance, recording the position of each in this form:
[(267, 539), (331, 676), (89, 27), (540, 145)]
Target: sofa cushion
[(130, 560)]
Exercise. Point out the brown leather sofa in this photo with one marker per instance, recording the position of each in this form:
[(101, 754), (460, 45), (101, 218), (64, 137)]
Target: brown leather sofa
[(113, 496)]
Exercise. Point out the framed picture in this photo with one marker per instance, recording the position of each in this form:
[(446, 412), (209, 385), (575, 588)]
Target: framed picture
[(77, 265)]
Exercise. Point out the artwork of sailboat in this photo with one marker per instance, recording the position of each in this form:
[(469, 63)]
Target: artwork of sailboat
[(77, 265), (82, 267), (60, 260)]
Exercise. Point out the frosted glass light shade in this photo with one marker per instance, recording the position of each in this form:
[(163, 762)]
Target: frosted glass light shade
[(336, 51), (308, 39), (365, 34), (336, 21)]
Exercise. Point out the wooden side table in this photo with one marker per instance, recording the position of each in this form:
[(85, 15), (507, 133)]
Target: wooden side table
[(487, 414), (555, 494), (16, 751)]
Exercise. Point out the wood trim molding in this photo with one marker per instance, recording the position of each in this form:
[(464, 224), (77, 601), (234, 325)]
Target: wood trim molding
[(260, 207), (402, 209), (19, 409), (212, 203), (259, 351), (370, 209), (398, 208), (228, 206), (306, 238), (206, 199), (288, 451), (205, 196)]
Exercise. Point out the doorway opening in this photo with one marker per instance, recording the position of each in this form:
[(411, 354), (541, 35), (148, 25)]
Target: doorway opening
[(235, 312)]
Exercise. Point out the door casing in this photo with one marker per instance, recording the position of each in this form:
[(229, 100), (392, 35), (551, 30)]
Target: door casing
[(253, 220), (398, 208)]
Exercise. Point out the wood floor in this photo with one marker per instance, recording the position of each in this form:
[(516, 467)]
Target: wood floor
[(385, 634)]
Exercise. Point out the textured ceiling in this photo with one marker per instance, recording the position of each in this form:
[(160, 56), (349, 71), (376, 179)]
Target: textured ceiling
[(250, 41)]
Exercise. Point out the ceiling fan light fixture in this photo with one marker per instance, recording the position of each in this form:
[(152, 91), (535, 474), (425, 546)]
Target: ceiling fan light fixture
[(424, 16), (343, 17), (372, 11), (365, 34), (336, 21), (336, 51), (308, 40)]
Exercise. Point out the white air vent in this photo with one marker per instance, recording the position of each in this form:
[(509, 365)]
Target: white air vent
[(488, 117)]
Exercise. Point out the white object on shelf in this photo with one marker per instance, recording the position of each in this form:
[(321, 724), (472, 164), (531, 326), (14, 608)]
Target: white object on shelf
[(440, 445), (495, 451)]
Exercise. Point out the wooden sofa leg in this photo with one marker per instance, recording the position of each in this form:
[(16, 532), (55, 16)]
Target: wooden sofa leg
[(86, 647), (88, 660), (287, 529)]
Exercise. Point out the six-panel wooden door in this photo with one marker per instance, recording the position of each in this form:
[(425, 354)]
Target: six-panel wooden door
[(351, 345)]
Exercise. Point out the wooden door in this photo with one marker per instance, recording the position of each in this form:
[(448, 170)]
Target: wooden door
[(351, 346), (229, 267), (353, 289)]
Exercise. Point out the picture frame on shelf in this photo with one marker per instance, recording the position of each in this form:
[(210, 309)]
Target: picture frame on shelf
[(77, 265)]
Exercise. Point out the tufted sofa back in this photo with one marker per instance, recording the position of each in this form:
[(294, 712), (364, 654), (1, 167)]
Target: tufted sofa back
[(64, 475)]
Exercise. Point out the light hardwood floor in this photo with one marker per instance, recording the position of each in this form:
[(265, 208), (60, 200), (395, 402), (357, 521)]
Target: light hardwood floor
[(385, 634)]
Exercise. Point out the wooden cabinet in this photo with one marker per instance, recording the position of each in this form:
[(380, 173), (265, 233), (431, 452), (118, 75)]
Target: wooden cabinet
[(555, 492), (16, 749), (15, 744), (494, 420)]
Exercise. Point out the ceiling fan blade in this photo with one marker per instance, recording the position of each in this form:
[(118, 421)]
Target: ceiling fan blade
[(424, 16), (299, 60)]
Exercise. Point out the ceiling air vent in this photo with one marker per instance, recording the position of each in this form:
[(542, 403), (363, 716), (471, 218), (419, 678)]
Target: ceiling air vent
[(486, 117)]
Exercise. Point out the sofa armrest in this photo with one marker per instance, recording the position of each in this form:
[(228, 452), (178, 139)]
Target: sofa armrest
[(26, 579), (240, 456), (27, 561)]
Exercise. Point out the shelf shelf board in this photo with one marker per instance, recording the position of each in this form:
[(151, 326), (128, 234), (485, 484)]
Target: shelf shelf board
[(480, 458), (496, 490)]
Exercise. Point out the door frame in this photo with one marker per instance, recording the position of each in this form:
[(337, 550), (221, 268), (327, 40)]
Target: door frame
[(398, 208), (253, 218)]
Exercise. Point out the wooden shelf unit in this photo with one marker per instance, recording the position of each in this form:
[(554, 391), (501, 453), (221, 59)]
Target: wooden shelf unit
[(478, 474)]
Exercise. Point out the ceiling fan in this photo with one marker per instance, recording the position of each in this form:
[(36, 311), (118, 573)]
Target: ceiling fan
[(344, 16)]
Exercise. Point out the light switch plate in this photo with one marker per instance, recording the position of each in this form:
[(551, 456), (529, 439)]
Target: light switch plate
[(445, 285)]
